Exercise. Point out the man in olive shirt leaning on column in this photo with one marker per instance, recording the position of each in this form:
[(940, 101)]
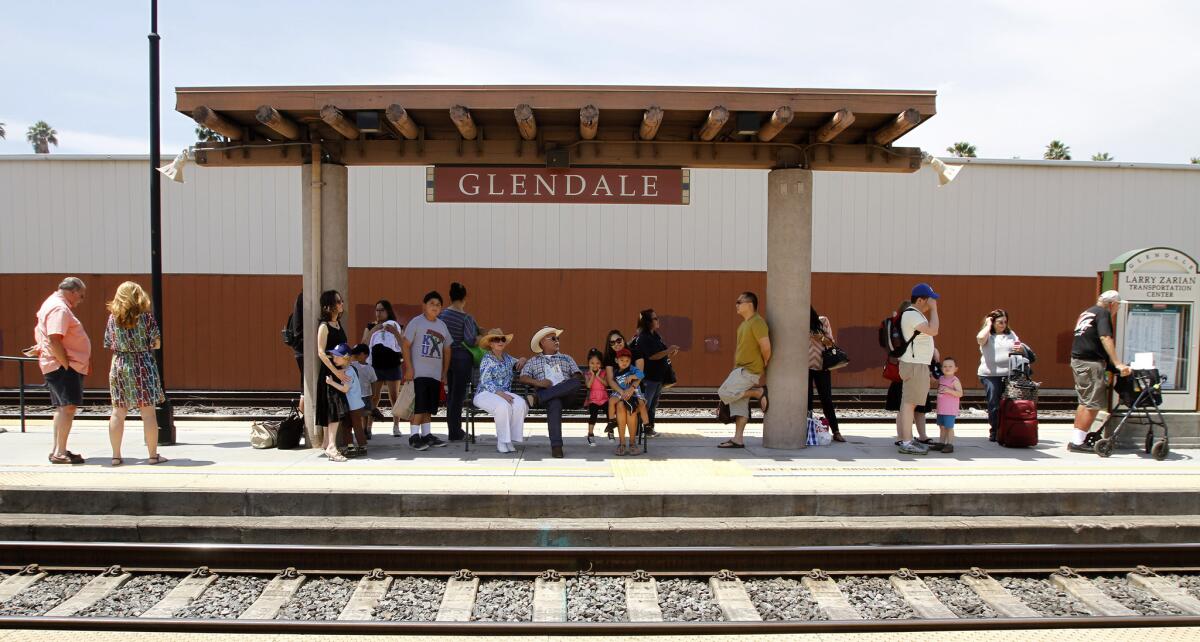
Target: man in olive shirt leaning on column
[(750, 359)]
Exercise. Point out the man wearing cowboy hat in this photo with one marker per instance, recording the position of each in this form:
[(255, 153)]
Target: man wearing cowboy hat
[(555, 376)]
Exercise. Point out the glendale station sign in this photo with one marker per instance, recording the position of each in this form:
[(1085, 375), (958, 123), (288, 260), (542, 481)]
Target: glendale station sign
[(582, 185)]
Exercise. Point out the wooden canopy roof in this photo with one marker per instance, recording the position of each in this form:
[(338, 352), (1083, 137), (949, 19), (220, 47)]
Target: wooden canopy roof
[(822, 129)]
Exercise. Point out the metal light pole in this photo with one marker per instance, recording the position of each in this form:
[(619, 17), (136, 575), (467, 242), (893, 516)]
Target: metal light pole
[(164, 412)]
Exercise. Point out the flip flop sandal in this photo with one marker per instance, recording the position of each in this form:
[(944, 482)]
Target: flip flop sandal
[(338, 457), (634, 452), (157, 459), (61, 459), (927, 440), (730, 444)]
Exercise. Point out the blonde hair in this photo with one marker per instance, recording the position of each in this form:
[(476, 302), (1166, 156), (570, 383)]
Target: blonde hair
[(130, 302)]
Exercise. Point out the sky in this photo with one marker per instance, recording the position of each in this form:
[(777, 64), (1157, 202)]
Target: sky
[(1115, 77)]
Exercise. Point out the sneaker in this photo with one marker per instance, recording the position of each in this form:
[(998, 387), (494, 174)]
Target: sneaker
[(947, 449), (912, 449), (1079, 448), (591, 440), (416, 443), (432, 440), (938, 446), (608, 430), (649, 431), (396, 430)]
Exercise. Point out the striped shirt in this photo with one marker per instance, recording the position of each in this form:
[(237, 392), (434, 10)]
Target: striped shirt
[(463, 329)]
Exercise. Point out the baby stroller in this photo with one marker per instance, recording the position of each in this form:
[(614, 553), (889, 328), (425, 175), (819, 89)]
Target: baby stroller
[(1139, 392)]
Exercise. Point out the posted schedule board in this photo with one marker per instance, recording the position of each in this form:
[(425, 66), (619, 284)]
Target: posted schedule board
[(1163, 330)]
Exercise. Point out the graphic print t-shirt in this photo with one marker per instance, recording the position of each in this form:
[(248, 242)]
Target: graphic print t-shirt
[(1094, 323), (430, 340)]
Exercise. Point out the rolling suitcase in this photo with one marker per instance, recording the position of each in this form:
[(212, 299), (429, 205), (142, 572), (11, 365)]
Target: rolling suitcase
[(1018, 423)]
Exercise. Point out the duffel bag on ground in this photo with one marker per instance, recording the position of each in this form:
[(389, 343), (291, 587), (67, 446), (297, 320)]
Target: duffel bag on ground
[(1018, 423), (264, 434)]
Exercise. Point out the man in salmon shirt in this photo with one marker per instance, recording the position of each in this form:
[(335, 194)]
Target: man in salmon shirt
[(64, 355)]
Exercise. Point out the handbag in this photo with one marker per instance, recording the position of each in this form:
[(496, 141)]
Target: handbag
[(1021, 388), (289, 431), (813, 426), (669, 377), (824, 434), (833, 357), (264, 434), (891, 371), (723, 415), (403, 408)]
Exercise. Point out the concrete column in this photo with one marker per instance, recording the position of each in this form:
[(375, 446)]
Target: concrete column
[(789, 289), (325, 208)]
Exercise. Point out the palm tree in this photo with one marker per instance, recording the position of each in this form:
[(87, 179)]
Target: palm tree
[(1103, 156), (1056, 150), (206, 135), (962, 149), (41, 136)]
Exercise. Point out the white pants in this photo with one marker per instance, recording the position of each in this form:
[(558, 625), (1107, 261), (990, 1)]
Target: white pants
[(510, 418)]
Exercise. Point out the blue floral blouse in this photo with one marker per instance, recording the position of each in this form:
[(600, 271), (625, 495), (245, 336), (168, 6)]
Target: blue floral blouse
[(496, 375)]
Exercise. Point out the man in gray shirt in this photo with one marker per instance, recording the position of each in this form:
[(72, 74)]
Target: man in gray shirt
[(426, 349)]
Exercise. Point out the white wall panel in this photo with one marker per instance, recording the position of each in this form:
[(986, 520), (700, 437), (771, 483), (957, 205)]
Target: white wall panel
[(998, 217)]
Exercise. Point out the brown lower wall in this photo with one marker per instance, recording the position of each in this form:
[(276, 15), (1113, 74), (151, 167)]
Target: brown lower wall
[(222, 331)]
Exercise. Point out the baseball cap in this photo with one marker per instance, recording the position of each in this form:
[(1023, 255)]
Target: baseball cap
[(624, 352), (924, 290), (340, 350)]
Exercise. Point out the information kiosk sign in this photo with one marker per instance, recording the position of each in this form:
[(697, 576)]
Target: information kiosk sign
[(1160, 289)]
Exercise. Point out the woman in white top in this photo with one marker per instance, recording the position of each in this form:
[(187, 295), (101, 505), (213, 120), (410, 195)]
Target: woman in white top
[(997, 343), (383, 338)]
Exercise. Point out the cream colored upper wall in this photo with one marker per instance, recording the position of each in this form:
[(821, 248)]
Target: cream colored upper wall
[(997, 218)]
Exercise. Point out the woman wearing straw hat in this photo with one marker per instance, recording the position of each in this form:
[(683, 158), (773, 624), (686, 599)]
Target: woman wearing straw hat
[(496, 372)]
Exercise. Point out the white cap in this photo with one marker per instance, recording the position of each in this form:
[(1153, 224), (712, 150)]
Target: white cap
[(1110, 296)]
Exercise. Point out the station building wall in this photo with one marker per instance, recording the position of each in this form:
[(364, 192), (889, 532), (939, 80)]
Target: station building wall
[(1028, 236)]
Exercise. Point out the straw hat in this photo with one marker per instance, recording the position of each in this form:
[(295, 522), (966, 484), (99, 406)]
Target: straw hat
[(487, 337), (535, 343)]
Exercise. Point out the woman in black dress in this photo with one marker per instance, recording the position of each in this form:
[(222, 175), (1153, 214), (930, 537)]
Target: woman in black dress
[(331, 403)]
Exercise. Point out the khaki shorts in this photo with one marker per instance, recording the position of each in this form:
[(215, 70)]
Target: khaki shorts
[(1089, 383), (731, 391), (916, 383)]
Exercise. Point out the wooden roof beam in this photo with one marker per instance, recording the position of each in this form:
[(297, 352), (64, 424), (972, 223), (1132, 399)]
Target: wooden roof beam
[(401, 121), (837, 124), (526, 123), (589, 121), (903, 122), (338, 121), (206, 117), (778, 121), (651, 121), (717, 118), (277, 122), (461, 118)]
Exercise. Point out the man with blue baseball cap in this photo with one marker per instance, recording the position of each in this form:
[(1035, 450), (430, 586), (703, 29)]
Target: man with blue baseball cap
[(919, 325)]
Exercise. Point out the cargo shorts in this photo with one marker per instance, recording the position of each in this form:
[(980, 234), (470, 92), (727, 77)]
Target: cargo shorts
[(916, 383), (1089, 383)]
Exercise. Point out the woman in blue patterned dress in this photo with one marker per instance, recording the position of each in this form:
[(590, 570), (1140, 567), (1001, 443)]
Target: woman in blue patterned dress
[(132, 334), (494, 393)]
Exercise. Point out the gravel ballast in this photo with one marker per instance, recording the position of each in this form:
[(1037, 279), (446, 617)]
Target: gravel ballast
[(411, 599), (782, 599), (227, 597), (134, 597), (1191, 583), (592, 598), (1132, 597), (46, 594), (321, 598), (1043, 597), (684, 600), (958, 597), (875, 598), (504, 601)]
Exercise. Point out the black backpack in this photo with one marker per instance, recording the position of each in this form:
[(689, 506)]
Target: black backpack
[(293, 337), (891, 337)]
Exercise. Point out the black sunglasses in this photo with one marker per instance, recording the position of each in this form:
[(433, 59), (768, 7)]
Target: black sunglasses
[(613, 342)]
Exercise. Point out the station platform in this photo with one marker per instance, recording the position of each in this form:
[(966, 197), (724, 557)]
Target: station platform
[(686, 491)]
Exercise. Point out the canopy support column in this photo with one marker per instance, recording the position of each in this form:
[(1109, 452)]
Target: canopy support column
[(325, 209), (789, 289)]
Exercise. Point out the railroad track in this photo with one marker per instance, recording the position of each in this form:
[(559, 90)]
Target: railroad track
[(365, 590)]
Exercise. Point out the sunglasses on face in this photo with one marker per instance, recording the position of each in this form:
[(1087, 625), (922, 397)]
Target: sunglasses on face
[(499, 340), (613, 342), (553, 338)]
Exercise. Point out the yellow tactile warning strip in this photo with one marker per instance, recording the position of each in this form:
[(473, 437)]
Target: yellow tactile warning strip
[(1059, 635), (216, 455)]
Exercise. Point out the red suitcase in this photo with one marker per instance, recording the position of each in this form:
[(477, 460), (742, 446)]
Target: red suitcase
[(1018, 423)]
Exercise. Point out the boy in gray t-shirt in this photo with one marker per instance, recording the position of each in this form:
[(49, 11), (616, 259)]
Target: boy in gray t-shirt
[(426, 359)]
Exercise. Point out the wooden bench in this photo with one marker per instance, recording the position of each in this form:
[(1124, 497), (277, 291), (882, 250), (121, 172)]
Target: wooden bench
[(572, 408)]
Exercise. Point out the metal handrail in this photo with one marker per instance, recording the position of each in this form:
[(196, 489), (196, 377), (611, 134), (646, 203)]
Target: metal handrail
[(20, 361)]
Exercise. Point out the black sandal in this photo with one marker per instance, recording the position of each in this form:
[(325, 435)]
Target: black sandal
[(729, 443)]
